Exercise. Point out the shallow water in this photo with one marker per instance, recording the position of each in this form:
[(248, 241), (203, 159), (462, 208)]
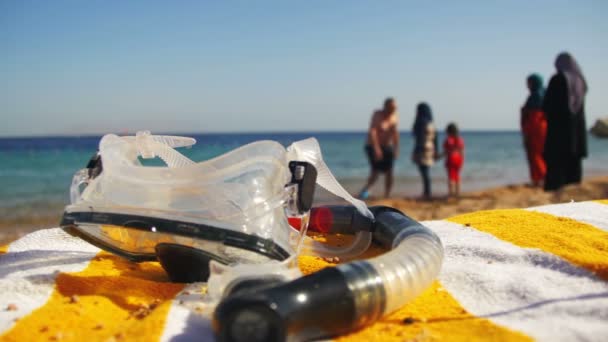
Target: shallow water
[(35, 173)]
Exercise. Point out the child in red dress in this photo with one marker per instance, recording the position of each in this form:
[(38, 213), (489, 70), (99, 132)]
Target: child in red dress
[(453, 149)]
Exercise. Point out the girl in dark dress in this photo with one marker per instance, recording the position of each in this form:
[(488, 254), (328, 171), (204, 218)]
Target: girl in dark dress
[(564, 105), (426, 150)]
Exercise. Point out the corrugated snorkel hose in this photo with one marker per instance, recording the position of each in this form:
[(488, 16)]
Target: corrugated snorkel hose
[(339, 299)]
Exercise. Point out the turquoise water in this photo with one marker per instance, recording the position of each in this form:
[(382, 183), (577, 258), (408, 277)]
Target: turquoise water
[(35, 173)]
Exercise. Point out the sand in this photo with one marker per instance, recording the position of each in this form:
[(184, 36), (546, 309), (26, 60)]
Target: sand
[(510, 196)]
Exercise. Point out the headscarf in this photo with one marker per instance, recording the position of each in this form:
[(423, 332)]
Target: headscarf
[(537, 92), (577, 86), (424, 116)]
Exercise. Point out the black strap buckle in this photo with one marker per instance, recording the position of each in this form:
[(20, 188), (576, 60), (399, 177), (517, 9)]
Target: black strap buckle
[(95, 165), (303, 174)]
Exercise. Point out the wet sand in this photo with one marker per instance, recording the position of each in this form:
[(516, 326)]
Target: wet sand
[(24, 220), (510, 196)]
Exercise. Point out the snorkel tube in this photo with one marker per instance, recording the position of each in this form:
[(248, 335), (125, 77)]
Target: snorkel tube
[(339, 299)]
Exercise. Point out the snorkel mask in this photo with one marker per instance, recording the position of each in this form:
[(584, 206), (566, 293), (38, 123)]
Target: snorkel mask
[(225, 221)]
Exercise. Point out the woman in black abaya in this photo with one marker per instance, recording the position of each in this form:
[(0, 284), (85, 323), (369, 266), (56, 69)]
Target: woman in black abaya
[(564, 105)]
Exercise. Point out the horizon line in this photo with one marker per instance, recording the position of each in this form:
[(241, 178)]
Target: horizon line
[(185, 133)]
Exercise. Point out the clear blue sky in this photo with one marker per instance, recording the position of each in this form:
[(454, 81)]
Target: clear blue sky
[(71, 67)]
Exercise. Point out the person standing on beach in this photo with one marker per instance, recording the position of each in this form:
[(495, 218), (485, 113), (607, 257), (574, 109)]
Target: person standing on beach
[(453, 149), (382, 146), (564, 105), (425, 147), (534, 129)]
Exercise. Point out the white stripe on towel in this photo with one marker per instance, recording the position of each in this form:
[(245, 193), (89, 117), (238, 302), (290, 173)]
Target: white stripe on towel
[(523, 289), (28, 271), (595, 214)]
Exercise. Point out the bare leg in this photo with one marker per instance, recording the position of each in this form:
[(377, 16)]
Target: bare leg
[(453, 188), (426, 180), (457, 188), (388, 183), (373, 176)]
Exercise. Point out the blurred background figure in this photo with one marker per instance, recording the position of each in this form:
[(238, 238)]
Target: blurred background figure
[(425, 145), (564, 105), (453, 149), (382, 146), (534, 129)]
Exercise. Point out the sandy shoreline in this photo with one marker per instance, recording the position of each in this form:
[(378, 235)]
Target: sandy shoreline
[(510, 196)]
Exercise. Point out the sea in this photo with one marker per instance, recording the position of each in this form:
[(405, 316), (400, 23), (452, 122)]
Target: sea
[(36, 172)]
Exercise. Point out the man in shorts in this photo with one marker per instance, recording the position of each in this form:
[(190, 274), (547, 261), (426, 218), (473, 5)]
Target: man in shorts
[(382, 146)]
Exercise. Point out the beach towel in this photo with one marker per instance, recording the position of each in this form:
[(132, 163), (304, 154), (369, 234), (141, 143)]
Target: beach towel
[(514, 275)]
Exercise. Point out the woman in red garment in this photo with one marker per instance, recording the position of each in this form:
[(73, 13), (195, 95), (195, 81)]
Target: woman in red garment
[(534, 129), (453, 149)]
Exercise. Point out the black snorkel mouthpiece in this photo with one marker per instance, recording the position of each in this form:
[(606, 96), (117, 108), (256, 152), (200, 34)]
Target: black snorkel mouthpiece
[(184, 264), (322, 304)]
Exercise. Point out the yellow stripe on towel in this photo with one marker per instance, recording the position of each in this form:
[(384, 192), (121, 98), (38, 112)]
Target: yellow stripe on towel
[(576, 242), (3, 249), (112, 299), (433, 316), (603, 201)]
